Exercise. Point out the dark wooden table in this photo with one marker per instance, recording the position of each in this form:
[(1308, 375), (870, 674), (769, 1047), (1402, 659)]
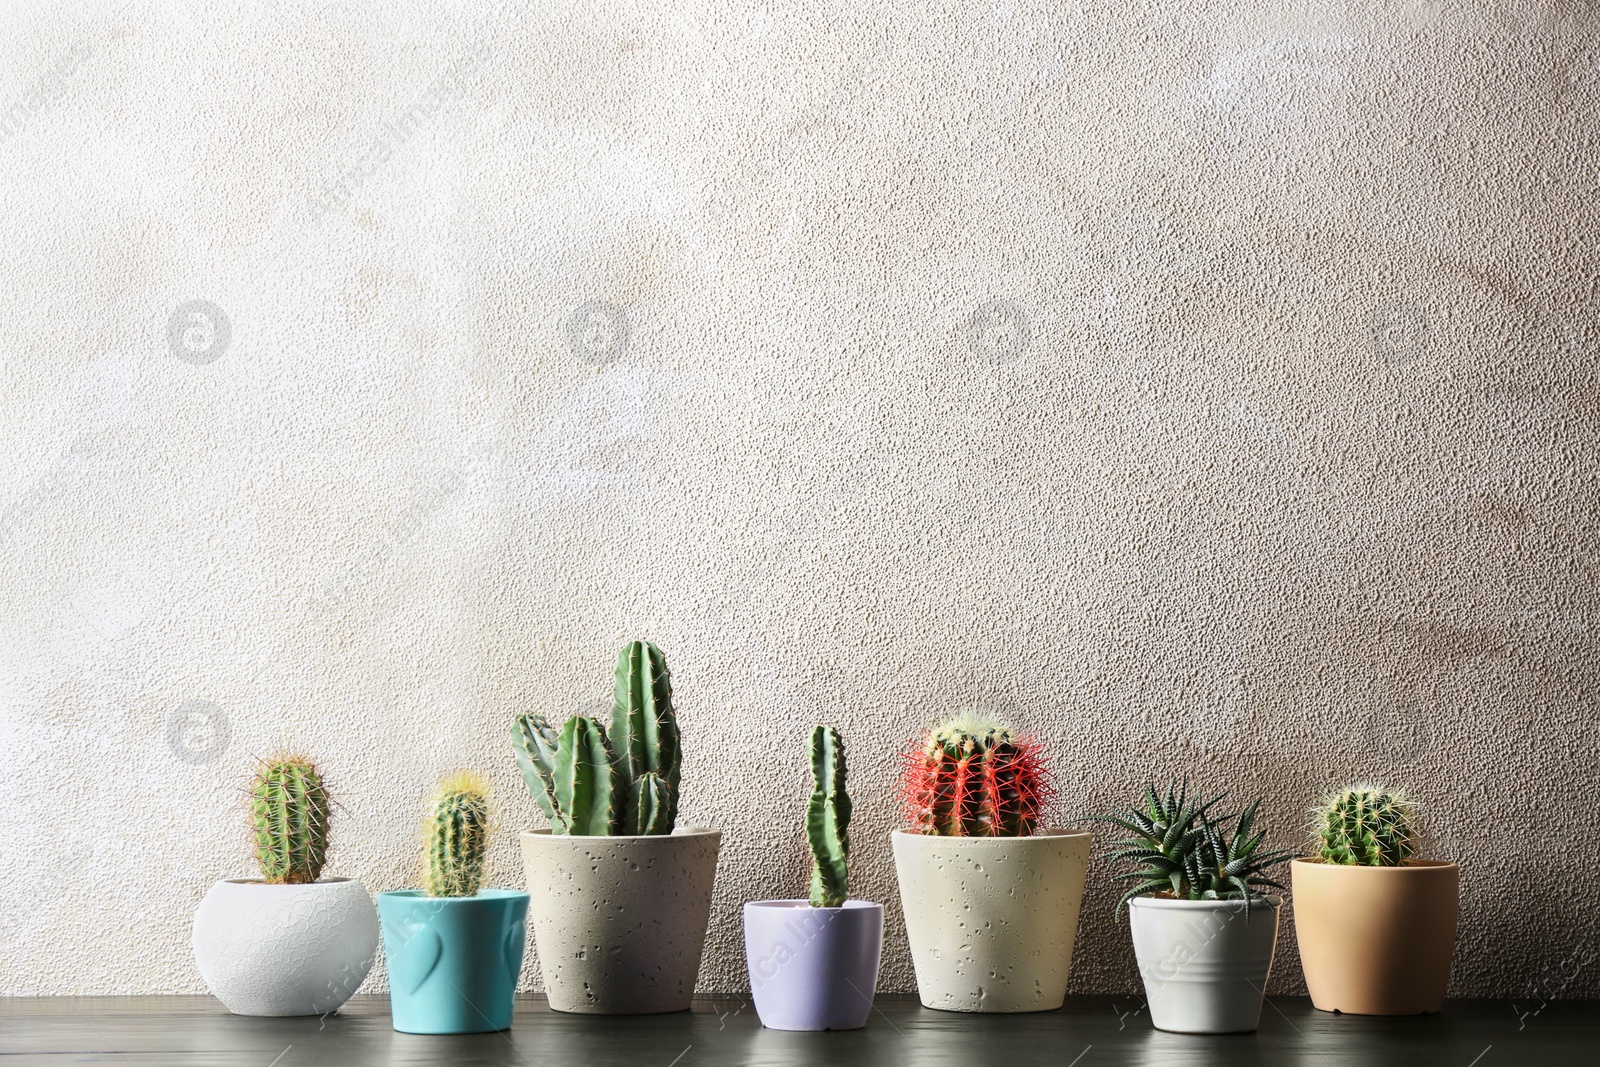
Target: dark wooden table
[(182, 1031)]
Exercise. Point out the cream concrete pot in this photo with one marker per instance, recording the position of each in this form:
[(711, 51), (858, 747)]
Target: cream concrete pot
[(1204, 963), (620, 922), (991, 920), (285, 949)]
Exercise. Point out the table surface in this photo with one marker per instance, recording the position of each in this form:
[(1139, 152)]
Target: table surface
[(180, 1031)]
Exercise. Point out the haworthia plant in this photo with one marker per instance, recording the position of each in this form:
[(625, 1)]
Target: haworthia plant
[(289, 815), (588, 781), (457, 836), (828, 820)]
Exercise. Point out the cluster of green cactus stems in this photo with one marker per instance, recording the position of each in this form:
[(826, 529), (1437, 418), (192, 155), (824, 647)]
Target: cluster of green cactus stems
[(457, 835), (974, 776), (1367, 826), (591, 781), (289, 814), (828, 820)]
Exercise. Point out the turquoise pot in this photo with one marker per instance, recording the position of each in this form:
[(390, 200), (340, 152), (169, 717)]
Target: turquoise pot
[(453, 961)]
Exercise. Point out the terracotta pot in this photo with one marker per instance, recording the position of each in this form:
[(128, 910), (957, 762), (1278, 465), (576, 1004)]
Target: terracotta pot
[(620, 921), (1376, 940), (991, 920)]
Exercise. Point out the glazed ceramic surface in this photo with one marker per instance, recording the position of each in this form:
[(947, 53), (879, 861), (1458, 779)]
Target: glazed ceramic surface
[(620, 921), (1376, 940), (285, 949), (453, 961), (991, 920), (1204, 963), (813, 968)]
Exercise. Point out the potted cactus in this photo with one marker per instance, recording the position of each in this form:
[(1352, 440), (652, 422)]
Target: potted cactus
[(814, 963), (991, 901), (1204, 932), (289, 942), (620, 896), (454, 949), (1376, 926)]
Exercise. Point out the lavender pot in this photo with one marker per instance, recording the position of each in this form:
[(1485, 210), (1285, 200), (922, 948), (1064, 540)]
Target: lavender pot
[(813, 968)]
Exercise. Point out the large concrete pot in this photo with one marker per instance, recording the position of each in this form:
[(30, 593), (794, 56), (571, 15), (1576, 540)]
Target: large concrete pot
[(813, 968), (991, 920), (1204, 962), (285, 949), (453, 961), (620, 922), (1376, 940)]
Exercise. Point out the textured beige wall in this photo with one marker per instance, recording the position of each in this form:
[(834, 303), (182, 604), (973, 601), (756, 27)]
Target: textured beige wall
[(1210, 386)]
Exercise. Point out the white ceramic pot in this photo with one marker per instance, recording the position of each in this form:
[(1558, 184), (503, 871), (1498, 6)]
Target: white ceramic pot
[(1204, 963), (620, 922), (991, 920), (285, 949)]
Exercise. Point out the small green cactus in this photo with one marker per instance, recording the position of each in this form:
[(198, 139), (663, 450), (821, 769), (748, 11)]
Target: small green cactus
[(974, 777), (289, 814), (594, 783), (458, 835), (1366, 825), (828, 820)]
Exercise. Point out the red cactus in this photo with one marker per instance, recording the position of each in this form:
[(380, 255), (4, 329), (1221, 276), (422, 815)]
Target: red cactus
[(973, 777)]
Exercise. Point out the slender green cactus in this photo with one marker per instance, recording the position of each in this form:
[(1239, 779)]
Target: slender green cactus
[(1366, 825), (289, 814), (589, 788), (974, 777), (644, 734), (591, 782), (458, 834), (828, 820)]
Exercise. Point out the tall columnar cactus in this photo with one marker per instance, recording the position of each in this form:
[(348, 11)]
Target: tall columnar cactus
[(1366, 825), (828, 820), (289, 814), (975, 777), (458, 835), (591, 782)]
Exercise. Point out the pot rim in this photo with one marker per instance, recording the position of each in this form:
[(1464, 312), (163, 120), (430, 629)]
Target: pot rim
[(683, 831), (805, 905), (488, 893), (1167, 903), (1052, 833), (320, 883), (1408, 867)]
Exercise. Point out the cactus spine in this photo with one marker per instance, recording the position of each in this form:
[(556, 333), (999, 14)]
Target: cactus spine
[(1366, 825), (828, 820), (458, 834), (974, 777), (289, 815), (591, 782)]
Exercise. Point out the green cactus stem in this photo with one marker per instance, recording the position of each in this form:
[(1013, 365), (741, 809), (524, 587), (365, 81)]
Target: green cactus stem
[(828, 820), (1366, 825), (591, 782), (457, 835), (644, 734), (289, 814)]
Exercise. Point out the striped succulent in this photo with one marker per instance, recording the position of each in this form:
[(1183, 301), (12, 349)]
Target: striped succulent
[(1183, 851)]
